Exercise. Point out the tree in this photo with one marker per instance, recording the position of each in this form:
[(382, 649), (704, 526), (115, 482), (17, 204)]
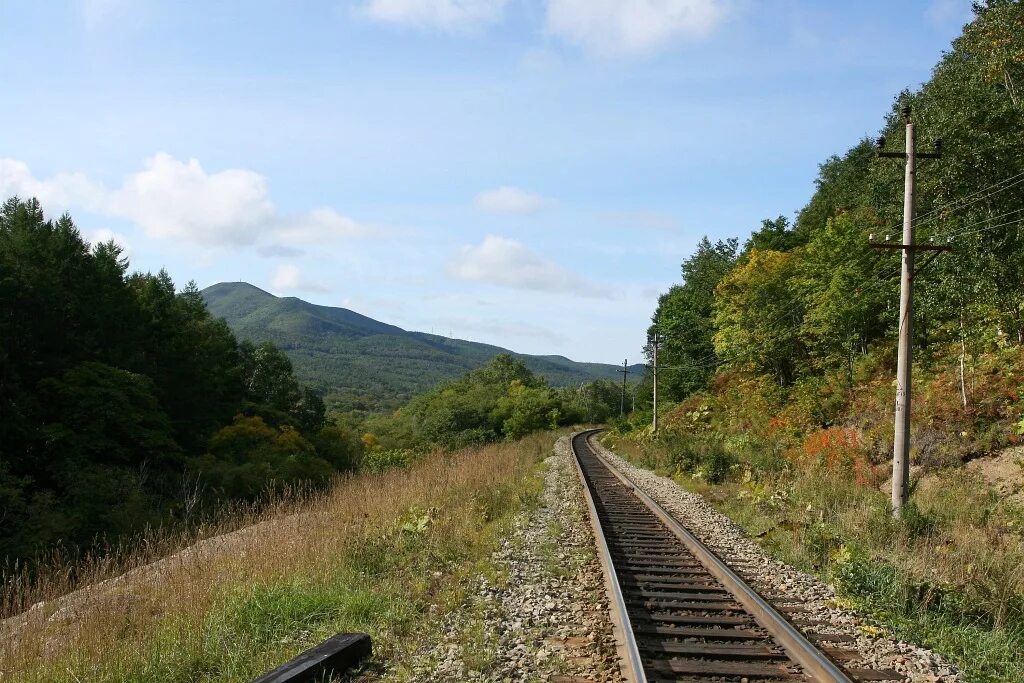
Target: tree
[(774, 235), (684, 322), (758, 314), (267, 377), (249, 456), (845, 289), (526, 409), (112, 384), (843, 184)]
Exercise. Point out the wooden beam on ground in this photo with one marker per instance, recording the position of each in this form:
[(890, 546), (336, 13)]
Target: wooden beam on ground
[(333, 656)]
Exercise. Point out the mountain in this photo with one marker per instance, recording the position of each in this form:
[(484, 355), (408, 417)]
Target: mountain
[(359, 362)]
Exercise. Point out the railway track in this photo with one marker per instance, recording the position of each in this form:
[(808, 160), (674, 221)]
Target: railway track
[(684, 614)]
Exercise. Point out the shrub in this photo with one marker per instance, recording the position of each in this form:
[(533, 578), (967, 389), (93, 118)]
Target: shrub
[(380, 460)]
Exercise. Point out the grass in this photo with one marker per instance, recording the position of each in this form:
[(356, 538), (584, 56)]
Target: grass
[(950, 576), (389, 554)]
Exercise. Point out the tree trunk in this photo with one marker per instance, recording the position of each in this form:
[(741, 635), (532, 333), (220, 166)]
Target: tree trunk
[(1020, 329), (963, 359)]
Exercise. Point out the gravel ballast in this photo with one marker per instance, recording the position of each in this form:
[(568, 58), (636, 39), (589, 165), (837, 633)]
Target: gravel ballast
[(547, 618), (771, 577)]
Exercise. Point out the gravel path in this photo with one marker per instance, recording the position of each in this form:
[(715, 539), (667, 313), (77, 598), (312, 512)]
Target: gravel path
[(771, 577), (547, 619)]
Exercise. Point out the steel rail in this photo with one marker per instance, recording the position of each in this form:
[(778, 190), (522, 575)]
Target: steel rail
[(633, 669), (796, 645)]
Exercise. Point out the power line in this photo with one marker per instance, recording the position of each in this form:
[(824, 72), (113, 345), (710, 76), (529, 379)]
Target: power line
[(986, 228), (962, 202)]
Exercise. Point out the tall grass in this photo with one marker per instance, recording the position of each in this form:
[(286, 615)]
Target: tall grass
[(379, 553)]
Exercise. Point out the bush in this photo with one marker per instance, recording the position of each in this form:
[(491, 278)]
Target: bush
[(715, 464), (380, 460)]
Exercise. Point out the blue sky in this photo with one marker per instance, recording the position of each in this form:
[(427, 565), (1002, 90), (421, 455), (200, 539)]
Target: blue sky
[(528, 173)]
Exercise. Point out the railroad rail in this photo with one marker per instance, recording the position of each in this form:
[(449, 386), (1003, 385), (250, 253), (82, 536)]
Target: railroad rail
[(680, 612)]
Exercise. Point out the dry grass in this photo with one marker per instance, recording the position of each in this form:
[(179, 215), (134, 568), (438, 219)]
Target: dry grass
[(373, 554)]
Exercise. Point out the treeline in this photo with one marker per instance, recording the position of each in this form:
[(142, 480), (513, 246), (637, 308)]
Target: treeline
[(808, 307), (124, 403), (503, 400)]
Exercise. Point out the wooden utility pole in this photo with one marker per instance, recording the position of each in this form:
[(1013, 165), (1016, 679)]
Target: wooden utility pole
[(622, 399), (654, 420), (901, 443)]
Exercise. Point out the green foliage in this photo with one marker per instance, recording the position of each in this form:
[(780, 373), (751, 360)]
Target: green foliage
[(526, 409), (111, 387), (683, 319), (593, 402), (249, 457), (503, 399), (845, 305), (340, 447), (755, 310), (774, 235), (380, 460), (931, 613), (706, 458)]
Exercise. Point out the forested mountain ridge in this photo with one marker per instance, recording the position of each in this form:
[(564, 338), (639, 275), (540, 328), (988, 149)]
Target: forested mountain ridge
[(359, 362)]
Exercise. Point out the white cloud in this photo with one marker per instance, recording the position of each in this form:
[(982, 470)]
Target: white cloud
[(289, 278), (631, 27), (279, 251), (321, 224), (56, 194), (180, 200), (447, 15), (508, 263), (510, 200), (643, 220)]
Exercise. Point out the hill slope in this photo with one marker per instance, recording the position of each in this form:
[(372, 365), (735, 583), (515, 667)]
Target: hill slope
[(359, 362)]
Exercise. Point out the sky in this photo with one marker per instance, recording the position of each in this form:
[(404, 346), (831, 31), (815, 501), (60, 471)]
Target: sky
[(526, 173)]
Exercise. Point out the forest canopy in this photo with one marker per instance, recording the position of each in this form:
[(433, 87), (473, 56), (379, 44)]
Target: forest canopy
[(124, 403)]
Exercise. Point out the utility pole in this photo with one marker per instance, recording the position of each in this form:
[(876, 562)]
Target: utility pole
[(622, 399), (901, 443), (654, 420)]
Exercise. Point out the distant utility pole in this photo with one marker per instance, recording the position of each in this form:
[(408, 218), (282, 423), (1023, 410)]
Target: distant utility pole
[(654, 420), (622, 399), (901, 444)]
